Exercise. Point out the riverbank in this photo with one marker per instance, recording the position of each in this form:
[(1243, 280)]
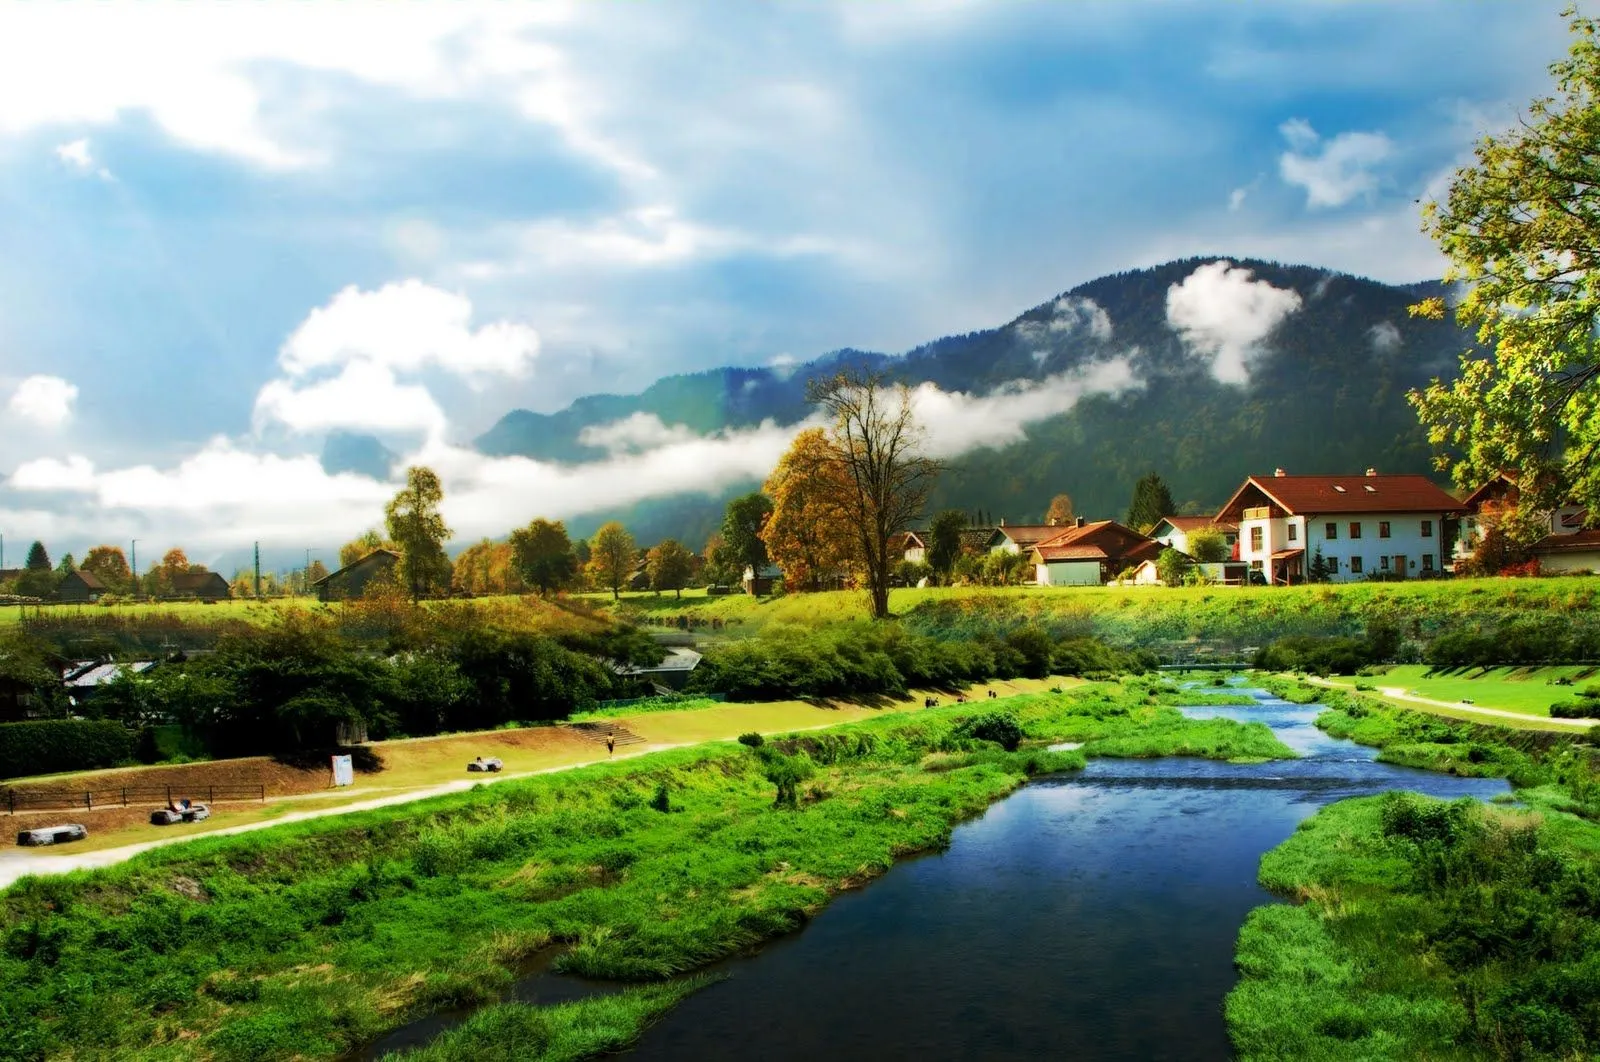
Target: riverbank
[(1430, 929), (313, 939)]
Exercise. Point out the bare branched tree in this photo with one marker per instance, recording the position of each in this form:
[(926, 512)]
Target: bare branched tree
[(876, 442)]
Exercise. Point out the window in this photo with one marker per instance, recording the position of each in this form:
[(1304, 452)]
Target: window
[(1355, 565), (1294, 532), (1427, 562), (1383, 562), (1383, 529), (1427, 529), (1255, 538), (1355, 528), (1330, 532)]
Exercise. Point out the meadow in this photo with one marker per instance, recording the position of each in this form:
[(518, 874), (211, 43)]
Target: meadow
[(311, 939), (1514, 689), (1421, 928)]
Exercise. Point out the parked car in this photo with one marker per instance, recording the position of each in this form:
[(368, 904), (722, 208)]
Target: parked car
[(72, 831)]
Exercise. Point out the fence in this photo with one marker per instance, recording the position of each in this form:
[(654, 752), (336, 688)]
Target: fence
[(125, 796)]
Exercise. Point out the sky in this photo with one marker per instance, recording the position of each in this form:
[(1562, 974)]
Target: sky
[(228, 230)]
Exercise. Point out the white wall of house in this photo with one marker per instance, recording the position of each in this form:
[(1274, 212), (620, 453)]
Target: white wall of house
[(1571, 561), (1360, 544), (917, 555), (1178, 540), (1068, 573)]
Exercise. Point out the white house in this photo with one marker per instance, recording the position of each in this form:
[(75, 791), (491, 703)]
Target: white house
[(1174, 531), (1363, 526), (1020, 538), (913, 545), (1571, 551), (1567, 548)]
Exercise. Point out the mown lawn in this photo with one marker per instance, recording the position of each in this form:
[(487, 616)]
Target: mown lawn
[(1512, 689)]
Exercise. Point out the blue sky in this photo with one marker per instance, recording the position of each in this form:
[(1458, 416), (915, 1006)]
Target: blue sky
[(230, 229)]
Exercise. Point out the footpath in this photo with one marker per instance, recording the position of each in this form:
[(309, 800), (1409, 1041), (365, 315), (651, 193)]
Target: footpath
[(1458, 709)]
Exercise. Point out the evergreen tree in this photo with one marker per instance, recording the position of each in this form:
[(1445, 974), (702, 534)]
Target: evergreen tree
[(1151, 501), (38, 559)]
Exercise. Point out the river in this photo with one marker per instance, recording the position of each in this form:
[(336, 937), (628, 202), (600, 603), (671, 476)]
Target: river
[(1089, 916)]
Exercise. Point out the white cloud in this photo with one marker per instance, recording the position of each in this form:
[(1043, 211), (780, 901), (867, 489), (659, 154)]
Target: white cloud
[(1236, 198), (1069, 315), (635, 433), (1223, 314), (1385, 337), (406, 326), (784, 365), (957, 422), (1340, 171), (43, 400), (76, 154), (364, 396), (76, 473)]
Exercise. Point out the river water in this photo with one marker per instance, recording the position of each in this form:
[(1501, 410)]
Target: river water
[(1089, 916)]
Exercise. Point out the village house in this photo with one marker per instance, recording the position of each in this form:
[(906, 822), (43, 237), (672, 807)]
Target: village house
[(1019, 538), (1174, 531), (351, 581), (202, 586), (1090, 554), (912, 545), (80, 588), (761, 583), (1362, 526), (1568, 547)]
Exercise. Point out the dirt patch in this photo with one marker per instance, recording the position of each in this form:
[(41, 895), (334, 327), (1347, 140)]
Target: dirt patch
[(193, 780)]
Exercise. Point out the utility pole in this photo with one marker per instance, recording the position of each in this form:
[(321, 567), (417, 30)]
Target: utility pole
[(258, 571), (133, 566)]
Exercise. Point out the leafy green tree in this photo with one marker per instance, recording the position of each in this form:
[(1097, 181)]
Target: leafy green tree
[(543, 555), (1060, 511), (1208, 545), (944, 540), (1172, 566), (66, 566), (670, 564), (362, 545), (1151, 501), (416, 526), (613, 555), (720, 567), (1520, 227), (741, 529), (110, 566)]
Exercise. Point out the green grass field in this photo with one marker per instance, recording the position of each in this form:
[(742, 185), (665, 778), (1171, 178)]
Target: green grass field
[(1512, 689)]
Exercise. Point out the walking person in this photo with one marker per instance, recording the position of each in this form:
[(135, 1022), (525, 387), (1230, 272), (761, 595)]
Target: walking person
[(611, 744)]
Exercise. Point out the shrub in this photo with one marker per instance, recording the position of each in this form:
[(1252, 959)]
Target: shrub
[(1574, 709), (752, 739), (662, 801), (1001, 728), (45, 746)]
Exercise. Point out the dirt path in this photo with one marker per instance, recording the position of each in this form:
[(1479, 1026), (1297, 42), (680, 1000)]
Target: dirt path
[(1398, 693)]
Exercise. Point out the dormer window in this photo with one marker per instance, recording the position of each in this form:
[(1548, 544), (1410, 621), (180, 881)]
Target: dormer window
[(1338, 488), (1369, 488)]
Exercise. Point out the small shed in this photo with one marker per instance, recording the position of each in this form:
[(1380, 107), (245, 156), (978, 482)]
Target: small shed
[(760, 583), (671, 673), (351, 581), (201, 586), (80, 587)]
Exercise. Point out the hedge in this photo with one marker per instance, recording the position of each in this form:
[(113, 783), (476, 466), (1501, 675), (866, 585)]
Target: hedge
[(48, 745)]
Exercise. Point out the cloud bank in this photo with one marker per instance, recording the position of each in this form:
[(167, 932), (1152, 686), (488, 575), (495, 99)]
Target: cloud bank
[(45, 401), (1223, 314)]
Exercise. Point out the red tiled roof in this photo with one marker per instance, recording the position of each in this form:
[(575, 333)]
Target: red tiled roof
[(1025, 535), (1194, 523), (1101, 540), (1577, 541), (1314, 495), (1500, 482)]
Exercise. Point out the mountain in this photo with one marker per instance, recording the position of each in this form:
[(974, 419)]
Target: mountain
[(1325, 393)]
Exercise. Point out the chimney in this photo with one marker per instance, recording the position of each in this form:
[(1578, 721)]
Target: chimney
[(1052, 521), (1372, 471), (1279, 473), (1002, 521), (1077, 522)]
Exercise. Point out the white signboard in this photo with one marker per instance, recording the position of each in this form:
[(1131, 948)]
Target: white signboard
[(343, 772)]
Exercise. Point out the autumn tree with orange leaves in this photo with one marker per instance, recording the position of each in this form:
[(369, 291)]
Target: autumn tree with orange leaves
[(810, 535)]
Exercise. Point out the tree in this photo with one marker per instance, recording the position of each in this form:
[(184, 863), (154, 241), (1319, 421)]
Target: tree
[(543, 555), (875, 440), (1060, 511), (741, 529), (67, 565), (1172, 566), (720, 568), (1520, 228), (1208, 545), (809, 534), (944, 540), (316, 572), (360, 546), (1151, 501), (669, 565), (416, 526), (1318, 570), (109, 565), (174, 563), (613, 555), (38, 559)]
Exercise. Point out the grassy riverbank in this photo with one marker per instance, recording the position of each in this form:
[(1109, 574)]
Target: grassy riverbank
[(307, 940), (1427, 929)]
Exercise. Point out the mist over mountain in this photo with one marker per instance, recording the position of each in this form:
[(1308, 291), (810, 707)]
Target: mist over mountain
[(1240, 366)]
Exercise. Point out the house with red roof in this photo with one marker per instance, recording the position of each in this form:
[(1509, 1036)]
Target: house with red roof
[(1174, 531), (1364, 526), (1569, 547), (1090, 554)]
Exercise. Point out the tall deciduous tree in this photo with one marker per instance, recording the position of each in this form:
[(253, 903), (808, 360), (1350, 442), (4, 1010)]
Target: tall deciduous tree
[(944, 540), (741, 529), (1060, 511), (1151, 501), (110, 566), (362, 545), (875, 440), (613, 555), (1521, 230), (719, 567), (416, 526), (809, 534), (544, 555), (669, 565)]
